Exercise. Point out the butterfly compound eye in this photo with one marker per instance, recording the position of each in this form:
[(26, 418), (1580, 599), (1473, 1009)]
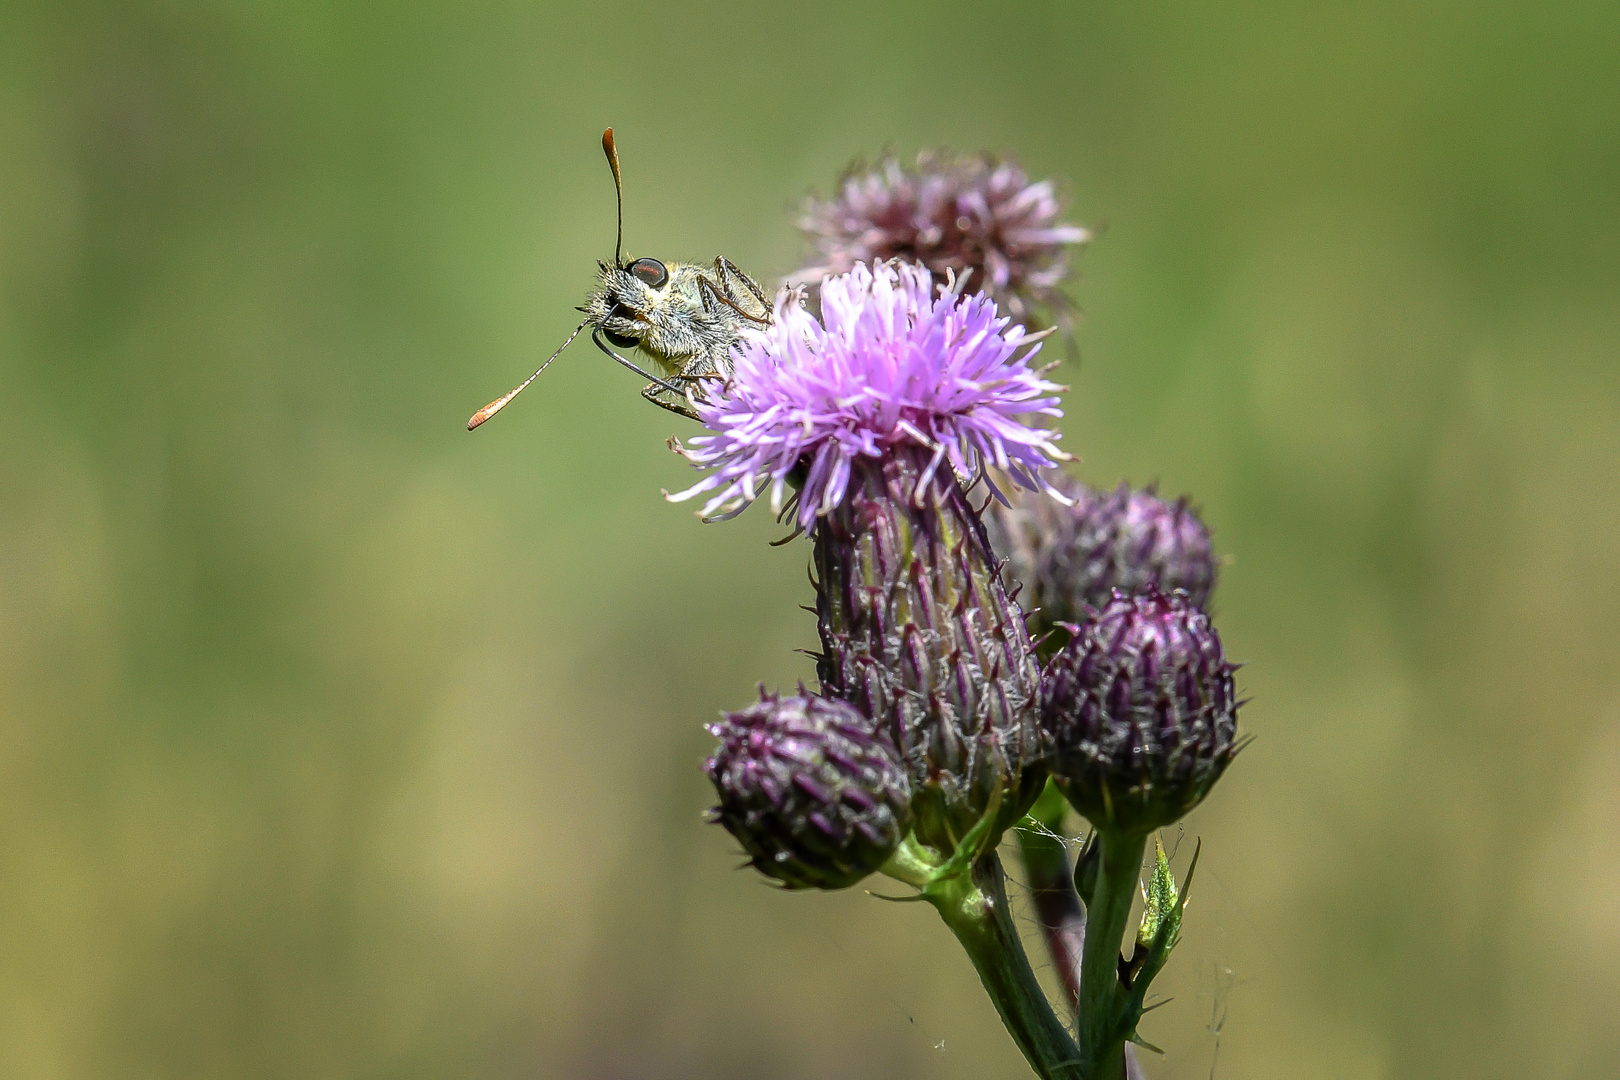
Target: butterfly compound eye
[(649, 272)]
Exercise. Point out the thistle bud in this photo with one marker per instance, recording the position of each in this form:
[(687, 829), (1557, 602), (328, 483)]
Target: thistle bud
[(1141, 709), (1072, 558), (813, 791)]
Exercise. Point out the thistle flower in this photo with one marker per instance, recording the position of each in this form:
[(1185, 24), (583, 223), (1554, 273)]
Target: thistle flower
[(893, 366), (1141, 710), (877, 414), (813, 791), (1072, 558), (950, 213)]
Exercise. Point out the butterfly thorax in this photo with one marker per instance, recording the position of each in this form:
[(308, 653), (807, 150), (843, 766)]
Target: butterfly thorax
[(670, 323)]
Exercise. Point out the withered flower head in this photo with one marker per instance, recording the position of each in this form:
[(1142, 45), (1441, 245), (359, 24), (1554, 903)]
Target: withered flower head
[(950, 213)]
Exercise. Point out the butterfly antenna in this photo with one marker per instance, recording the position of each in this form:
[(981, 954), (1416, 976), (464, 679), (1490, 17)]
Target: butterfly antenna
[(500, 403), (612, 153)]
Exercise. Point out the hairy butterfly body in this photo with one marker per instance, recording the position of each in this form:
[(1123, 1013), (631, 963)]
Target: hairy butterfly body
[(684, 316)]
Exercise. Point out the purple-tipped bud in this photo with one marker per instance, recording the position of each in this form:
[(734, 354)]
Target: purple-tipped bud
[(813, 791), (1141, 709), (1070, 559)]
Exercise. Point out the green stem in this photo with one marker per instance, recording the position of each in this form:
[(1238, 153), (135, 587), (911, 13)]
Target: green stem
[(1102, 999), (975, 908)]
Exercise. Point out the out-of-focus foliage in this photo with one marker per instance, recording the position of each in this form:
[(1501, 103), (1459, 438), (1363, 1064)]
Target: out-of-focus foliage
[(338, 742)]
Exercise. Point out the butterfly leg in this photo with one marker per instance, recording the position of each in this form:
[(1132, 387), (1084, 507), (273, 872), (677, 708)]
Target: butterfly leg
[(652, 391), (726, 270), (735, 287), (715, 297)]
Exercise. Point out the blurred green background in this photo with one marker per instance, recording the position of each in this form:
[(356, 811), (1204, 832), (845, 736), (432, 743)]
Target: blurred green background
[(338, 742)]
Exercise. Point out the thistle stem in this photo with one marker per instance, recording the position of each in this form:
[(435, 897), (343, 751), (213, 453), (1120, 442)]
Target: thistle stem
[(1051, 888), (975, 908), (1102, 998)]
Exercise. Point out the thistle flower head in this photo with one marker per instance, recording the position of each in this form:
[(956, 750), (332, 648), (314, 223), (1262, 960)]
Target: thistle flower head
[(810, 788), (892, 364), (1071, 558), (1141, 709), (950, 213)]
